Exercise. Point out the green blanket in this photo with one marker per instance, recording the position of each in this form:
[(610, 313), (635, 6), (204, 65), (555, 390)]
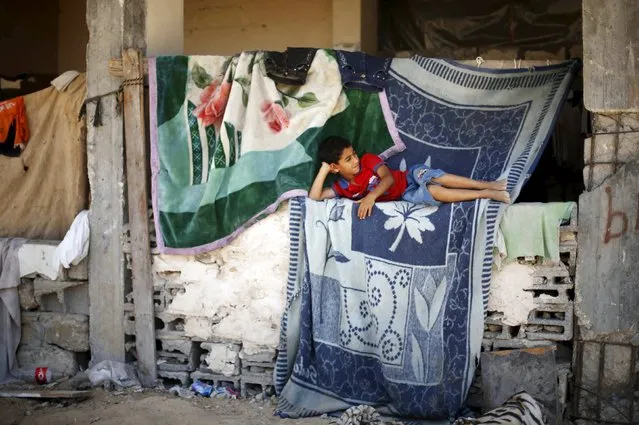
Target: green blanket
[(532, 229), (228, 144)]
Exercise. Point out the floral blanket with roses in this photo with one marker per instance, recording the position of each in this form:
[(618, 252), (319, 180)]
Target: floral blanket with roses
[(228, 144)]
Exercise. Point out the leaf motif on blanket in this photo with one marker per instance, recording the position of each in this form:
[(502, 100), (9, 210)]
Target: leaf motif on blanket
[(339, 257), (407, 217), (337, 212), (421, 309), (308, 99), (417, 360), (437, 303), (244, 83), (201, 78)]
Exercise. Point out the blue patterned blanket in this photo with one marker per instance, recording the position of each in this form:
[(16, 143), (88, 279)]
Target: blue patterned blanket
[(389, 311)]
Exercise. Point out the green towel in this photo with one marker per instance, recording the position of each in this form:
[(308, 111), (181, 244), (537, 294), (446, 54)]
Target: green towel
[(532, 229)]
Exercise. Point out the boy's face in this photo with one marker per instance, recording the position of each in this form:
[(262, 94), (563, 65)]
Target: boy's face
[(348, 164)]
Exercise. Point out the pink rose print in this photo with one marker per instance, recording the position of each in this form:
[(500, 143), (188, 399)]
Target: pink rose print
[(276, 116), (213, 101)]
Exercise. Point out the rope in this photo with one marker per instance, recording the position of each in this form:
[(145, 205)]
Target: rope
[(97, 115)]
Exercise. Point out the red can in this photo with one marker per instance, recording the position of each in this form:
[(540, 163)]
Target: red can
[(42, 375)]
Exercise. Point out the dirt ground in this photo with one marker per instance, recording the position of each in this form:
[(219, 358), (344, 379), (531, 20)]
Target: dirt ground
[(148, 407)]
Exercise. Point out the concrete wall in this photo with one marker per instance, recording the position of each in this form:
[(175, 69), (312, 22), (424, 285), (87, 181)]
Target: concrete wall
[(28, 37), (73, 35), (226, 27)]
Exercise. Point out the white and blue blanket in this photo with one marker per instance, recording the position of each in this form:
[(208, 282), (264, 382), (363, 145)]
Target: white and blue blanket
[(389, 311)]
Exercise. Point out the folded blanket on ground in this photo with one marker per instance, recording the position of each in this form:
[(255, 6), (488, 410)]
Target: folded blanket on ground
[(228, 144), (388, 311)]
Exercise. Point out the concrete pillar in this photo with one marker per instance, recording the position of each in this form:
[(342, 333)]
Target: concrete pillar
[(355, 25), (113, 26), (605, 288), (165, 27), (611, 52)]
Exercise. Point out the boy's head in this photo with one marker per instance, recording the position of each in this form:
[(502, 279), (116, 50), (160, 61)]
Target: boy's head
[(339, 154)]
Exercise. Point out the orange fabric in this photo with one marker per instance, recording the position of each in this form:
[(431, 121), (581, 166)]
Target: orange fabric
[(13, 110)]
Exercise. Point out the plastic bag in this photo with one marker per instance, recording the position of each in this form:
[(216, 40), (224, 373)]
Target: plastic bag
[(120, 374)]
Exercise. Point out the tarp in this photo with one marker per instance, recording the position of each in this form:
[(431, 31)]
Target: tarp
[(44, 188)]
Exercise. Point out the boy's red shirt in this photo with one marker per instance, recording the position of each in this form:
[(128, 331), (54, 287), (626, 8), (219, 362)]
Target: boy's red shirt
[(367, 180)]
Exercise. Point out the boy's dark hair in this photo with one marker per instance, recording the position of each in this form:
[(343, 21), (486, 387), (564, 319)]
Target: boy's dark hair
[(331, 149)]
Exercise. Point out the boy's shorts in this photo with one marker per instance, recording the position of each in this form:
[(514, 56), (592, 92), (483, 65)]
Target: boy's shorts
[(418, 178)]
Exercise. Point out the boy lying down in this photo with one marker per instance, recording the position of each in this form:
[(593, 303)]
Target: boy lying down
[(368, 179)]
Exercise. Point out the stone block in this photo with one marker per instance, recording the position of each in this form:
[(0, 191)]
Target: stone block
[(68, 331), (80, 271), (60, 362), (36, 258), (25, 293), (504, 373)]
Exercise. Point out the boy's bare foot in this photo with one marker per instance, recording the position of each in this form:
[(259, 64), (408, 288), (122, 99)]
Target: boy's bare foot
[(497, 195), (498, 185)]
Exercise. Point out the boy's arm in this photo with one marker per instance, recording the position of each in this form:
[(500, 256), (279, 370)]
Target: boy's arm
[(366, 204), (317, 192)]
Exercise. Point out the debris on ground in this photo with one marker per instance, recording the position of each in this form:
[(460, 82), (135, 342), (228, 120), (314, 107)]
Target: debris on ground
[(109, 373), (182, 392)]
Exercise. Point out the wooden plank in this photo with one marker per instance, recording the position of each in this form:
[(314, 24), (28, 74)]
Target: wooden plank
[(55, 394), (611, 52), (117, 70), (137, 166)]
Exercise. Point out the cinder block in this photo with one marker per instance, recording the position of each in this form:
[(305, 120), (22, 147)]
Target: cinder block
[(216, 379), (80, 271), (552, 285), (266, 356), (178, 355), (129, 323), (517, 343), (170, 326), (70, 299), (264, 380), (568, 255), (557, 322), (183, 377)]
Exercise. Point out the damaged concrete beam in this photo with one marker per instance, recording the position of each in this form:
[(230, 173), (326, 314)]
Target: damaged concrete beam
[(45, 286), (113, 26)]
